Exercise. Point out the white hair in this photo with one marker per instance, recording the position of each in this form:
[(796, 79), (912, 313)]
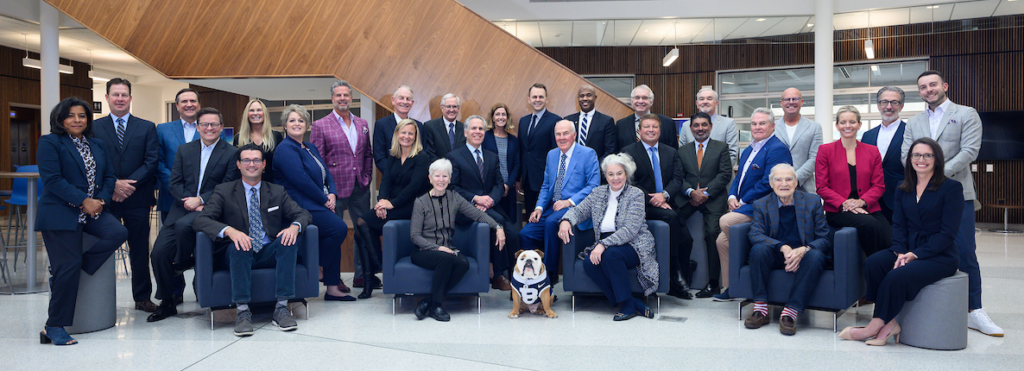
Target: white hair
[(764, 110), (782, 166), (442, 164), (621, 159), (707, 89), (644, 86), (458, 101)]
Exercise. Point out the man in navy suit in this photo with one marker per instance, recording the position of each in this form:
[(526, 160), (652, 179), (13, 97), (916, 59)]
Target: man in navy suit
[(384, 129), (475, 176), (134, 152), (751, 183), (628, 128), (445, 133), (171, 135), (593, 129), (890, 103), (536, 139), (571, 173)]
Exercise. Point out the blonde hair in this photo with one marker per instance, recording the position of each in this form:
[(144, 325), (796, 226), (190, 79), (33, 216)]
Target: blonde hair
[(845, 109), (396, 149), (244, 135)]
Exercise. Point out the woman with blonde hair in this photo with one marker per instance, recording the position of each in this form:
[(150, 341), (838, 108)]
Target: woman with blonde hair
[(255, 128)]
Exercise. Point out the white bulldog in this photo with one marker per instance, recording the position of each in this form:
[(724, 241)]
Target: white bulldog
[(530, 283)]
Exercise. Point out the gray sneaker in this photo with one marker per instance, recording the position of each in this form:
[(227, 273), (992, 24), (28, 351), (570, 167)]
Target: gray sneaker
[(283, 319), (243, 324)]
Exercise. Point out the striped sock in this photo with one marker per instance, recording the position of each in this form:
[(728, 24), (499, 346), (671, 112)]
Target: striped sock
[(761, 306), (790, 312)]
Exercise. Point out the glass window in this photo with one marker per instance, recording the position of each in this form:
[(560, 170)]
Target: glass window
[(742, 82), (741, 108), (802, 78), (618, 86), (903, 73), (849, 77)]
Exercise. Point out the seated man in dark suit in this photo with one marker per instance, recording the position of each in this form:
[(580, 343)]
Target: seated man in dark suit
[(707, 170), (642, 99), (789, 231), (570, 173), (226, 217), (199, 166), (475, 176), (594, 129), (659, 173), (444, 134)]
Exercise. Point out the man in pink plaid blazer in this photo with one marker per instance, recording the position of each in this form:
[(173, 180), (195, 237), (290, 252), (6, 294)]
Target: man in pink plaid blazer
[(344, 143)]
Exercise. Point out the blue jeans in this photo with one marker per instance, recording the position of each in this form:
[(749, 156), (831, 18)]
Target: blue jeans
[(544, 235), (764, 259), (612, 275), (967, 247), (275, 255)]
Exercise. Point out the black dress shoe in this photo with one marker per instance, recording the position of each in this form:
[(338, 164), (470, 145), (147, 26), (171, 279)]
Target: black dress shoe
[(421, 309), (438, 313), (146, 306), (161, 313), (680, 293), (366, 294), (708, 292)]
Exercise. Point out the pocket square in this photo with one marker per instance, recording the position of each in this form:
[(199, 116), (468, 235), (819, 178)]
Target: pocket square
[(754, 166), (273, 208)]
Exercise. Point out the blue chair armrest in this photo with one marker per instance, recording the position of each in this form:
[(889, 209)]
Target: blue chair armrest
[(739, 249), (309, 249), (396, 245), (474, 240), (848, 263), (204, 269), (580, 240), (662, 252)]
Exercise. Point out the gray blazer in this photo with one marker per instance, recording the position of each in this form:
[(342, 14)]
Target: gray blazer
[(804, 148), (630, 228), (960, 138), (723, 129)]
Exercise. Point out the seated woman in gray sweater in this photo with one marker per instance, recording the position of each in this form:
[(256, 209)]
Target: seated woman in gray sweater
[(433, 229)]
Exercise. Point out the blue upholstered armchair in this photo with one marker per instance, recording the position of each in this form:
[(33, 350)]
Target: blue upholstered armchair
[(403, 278), (576, 281), (838, 288), (213, 282)]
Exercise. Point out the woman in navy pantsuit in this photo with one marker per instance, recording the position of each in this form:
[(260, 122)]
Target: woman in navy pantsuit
[(78, 182), (299, 168), (926, 218), (499, 139)]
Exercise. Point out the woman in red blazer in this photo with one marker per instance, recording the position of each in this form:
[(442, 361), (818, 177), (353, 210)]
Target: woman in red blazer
[(849, 178)]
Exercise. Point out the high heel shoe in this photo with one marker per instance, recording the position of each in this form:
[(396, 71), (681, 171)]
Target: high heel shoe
[(55, 335), (845, 334), (879, 341)]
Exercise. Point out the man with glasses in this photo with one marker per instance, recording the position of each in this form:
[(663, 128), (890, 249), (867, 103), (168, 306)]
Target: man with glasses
[(890, 103), (957, 129), (445, 133), (642, 99), (199, 166), (802, 136)]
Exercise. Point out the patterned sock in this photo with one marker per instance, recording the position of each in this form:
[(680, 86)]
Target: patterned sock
[(761, 306), (790, 312)]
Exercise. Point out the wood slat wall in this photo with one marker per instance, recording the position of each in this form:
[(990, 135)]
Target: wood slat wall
[(230, 105)]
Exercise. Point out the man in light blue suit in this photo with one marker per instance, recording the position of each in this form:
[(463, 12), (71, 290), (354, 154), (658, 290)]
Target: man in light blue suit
[(171, 135), (570, 173), (750, 183)]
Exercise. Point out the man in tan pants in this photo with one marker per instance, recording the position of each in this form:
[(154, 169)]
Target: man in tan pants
[(751, 183)]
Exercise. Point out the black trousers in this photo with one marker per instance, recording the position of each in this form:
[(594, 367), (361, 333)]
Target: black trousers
[(136, 219), (448, 270), (529, 198), (173, 252), (886, 211), (680, 241), (711, 231), (376, 224), (64, 249), (503, 259), (891, 288), (873, 231)]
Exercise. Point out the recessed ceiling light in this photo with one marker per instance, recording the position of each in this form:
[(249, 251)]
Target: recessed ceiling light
[(810, 25), (932, 7), (761, 19), (646, 30)]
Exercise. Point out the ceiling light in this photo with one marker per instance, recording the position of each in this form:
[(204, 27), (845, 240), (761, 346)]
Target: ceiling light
[(869, 49), (101, 75), (810, 25), (728, 82), (35, 63), (932, 7), (875, 71), (670, 57), (761, 19)]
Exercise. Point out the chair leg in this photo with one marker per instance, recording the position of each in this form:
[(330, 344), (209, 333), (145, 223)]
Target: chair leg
[(394, 304), (478, 304), (574, 303), (740, 308), (210, 310), (835, 322)]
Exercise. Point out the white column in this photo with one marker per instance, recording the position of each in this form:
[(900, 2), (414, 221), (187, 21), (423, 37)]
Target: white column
[(49, 57), (823, 59), (367, 108)]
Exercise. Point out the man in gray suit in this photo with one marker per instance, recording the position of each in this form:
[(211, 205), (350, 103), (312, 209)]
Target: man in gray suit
[(802, 136), (957, 129), (723, 129)]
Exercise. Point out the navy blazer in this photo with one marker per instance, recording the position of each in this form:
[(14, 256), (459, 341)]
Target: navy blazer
[(466, 178), (626, 128), (892, 167), (170, 135), (512, 159), (600, 133), (810, 222), (137, 160), (671, 170), (536, 145), (301, 176), (928, 227), (756, 183), (435, 137), (65, 183), (383, 131)]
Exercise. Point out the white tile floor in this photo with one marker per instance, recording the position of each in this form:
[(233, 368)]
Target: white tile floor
[(364, 335)]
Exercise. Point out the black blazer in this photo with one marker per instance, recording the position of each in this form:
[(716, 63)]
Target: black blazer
[(466, 179), (892, 168), (221, 168), (65, 183), (227, 207), (671, 170), (402, 183), (715, 174), (928, 227), (627, 131), (435, 137), (535, 146), (137, 160), (383, 131), (600, 133)]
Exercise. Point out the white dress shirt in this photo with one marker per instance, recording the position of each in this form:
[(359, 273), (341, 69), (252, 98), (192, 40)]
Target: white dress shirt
[(190, 129), (935, 117), (885, 135), (205, 154), (608, 223), (350, 131)]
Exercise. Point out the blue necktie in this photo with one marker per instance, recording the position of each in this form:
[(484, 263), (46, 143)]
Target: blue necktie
[(583, 130), (451, 135), (533, 123), (255, 221), (657, 170), (120, 132), (558, 180), (480, 163)]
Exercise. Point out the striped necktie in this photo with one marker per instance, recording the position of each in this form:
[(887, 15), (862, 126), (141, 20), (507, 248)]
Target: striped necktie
[(120, 132), (583, 130)]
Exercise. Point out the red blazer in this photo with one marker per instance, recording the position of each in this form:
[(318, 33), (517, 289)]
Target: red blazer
[(832, 176), (348, 167)]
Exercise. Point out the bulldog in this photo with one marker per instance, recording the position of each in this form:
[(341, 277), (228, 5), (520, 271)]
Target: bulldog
[(530, 285)]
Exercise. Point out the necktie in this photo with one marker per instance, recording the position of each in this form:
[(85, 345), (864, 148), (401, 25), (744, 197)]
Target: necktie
[(255, 221), (583, 130), (451, 135), (657, 170), (120, 132), (480, 163), (533, 123), (637, 130), (700, 155), (558, 180)]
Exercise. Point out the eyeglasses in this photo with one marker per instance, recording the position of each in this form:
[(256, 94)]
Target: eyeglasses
[(894, 103), (641, 98), (251, 161), (918, 156), (208, 125), (452, 106), (792, 100)]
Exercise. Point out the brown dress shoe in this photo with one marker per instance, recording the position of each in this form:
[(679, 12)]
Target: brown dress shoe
[(146, 306), (756, 320), (787, 326), (501, 283)]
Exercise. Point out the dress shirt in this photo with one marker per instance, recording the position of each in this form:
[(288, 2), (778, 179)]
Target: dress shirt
[(756, 147), (696, 147), (636, 121), (647, 149), (114, 118), (935, 117), (568, 158), (248, 199), (535, 120), (885, 135), (590, 121), (190, 129), (608, 223), (205, 152), (350, 130)]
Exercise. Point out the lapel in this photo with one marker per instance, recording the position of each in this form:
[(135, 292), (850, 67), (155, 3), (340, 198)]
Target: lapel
[(467, 154), (460, 133), (179, 131), (218, 151), (264, 205), (665, 160), (691, 161), (240, 200), (129, 130), (946, 116), (572, 163), (801, 221), (341, 132), (781, 132), (644, 161), (602, 207), (773, 214), (74, 152), (896, 145), (801, 127)]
